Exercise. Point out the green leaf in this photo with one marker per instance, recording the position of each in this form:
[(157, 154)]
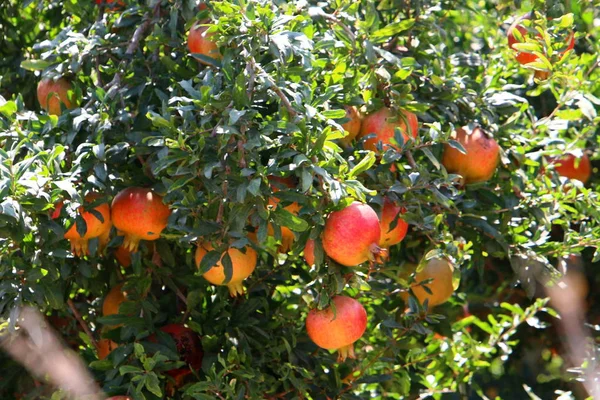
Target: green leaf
[(35, 65), (364, 164), (283, 217)]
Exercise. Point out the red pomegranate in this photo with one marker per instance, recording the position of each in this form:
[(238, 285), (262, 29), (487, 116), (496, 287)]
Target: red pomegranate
[(123, 256), (309, 252), (52, 93), (566, 166), (339, 329), (243, 265), (380, 123), (189, 348), (139, 213), (389, 213), (351, 236), (200, 42), (352, 127), (526, 58), (95, 228)]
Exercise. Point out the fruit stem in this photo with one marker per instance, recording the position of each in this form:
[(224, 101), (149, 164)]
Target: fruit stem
[(131, 242), (375, 251), (235, 288), (346, 352)]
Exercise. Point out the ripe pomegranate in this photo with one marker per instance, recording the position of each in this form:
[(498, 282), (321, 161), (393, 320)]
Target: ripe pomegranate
[(352, 126), (481, 160), (200, 42), (243, 266), (189, 348), (139, 213), (113, 300), (351, 236), (105, 347), (381, 125), (287, 236), (389, 213), (441, 286), (95, 228), (565, 166), (51, 94), (526, 58), (309, 252), (123, 256), (338, 329)]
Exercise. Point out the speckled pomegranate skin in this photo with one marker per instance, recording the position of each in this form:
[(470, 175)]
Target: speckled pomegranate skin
[(331, 331), (379, 123)]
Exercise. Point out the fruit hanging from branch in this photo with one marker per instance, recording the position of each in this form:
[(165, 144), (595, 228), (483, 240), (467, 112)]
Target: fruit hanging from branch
[(309, 252), (52, 94), (189, 349), (352, 127), (351, 236), (139, 214), (200, 41), (440, 272), (113, 300), (287, 236), (481, 158), (383, 124), (338, 329), (243, 264), (105, 347), (572, 167), (392, 212), (97, 224)]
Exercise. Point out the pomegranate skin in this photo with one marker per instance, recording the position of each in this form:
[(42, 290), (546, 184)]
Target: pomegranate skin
[(351, 236), (113, 300), (139, 213), (309, 252), (95, 228), (390, 237), (380, 124), (565, 166), (287, 236), (339, 329), (105, 347), (481, 160), (51, 94), (199, 42), (243, 266), (352, 126)]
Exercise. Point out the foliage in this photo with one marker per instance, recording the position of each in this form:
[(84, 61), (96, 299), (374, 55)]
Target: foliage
[(207, 137)]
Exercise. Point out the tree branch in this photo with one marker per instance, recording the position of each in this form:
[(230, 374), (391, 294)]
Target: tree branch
[(274, 87), (82, 323)]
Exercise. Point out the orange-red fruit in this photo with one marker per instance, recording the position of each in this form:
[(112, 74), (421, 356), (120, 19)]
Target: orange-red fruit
[(481, 160), (123, 256), (338, 329), (389, 213), (287, 236), (200, 42), (51, 94), (139, 213), (352, 127), (113, 300), (440, 271), (94, 227), (380, 123), (526, 58), (189, 348), (243, 265), (351, 236), (565, 166), (309, 252), (105, 347)]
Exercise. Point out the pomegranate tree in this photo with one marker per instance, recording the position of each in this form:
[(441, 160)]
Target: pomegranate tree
[(338, 327), (243, 264), (351, 236), (139, 213)]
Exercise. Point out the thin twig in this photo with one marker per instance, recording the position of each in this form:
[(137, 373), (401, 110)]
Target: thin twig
[(82, 323), (274, 87), (411, 160)]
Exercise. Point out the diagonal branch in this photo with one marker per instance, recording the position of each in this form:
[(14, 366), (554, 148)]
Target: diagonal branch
[(273, 87)]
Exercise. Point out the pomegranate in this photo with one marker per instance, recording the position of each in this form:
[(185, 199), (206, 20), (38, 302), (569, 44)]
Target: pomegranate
[(440, 271), (123, 256), (105, 347), (243, 265), (52, 93), (352, 127), (338, 329), (565, 166), (389, 213), (200, 42), (379, 123), (526, 58), (189, 348), (351, 236), (113, 300), (95, 228), (481, 160), (139, 213), (309, 252), (287, 236)]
